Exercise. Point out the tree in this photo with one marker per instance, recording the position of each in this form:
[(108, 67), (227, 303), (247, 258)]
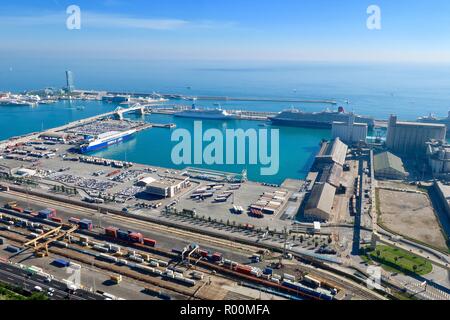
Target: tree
[(415, 267)]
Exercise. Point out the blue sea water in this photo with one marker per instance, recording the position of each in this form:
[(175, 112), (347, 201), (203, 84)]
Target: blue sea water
[(409, 91)]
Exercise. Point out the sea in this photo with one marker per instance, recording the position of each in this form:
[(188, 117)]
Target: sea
[(409, 91)]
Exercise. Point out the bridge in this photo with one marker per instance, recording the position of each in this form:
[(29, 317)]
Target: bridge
[(137, 108)]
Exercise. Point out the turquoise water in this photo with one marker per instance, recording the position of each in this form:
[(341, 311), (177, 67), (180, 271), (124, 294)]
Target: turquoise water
[(15, 121), (153, 147), (298, 146)]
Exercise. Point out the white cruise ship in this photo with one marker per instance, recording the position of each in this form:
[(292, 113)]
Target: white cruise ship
[(213, 114)]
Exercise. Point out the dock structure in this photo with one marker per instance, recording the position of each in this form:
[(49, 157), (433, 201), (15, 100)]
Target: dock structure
[(226, 98)]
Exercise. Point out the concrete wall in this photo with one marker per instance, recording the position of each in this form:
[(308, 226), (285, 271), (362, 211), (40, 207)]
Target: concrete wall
[(411, 139)]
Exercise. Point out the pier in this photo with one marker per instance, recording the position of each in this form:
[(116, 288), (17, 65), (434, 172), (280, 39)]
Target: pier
[(225, 98)]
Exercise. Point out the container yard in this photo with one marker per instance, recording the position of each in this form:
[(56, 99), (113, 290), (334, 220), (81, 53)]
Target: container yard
[(189, 271)]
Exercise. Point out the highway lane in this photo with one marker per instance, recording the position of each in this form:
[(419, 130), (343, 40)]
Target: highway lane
[(18, 277)]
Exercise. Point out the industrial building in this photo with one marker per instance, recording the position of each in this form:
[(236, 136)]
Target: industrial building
[(167, 186), (334, 152), (331, 174), (410, 138), (443, 192), (350, 132), (320, 203), (438, 153), (389, 166)]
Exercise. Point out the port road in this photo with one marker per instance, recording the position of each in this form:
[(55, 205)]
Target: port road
[(15, 276)]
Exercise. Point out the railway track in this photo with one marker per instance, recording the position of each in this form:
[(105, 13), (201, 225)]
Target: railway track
[(335, 281), (347, 285), (189, 236)]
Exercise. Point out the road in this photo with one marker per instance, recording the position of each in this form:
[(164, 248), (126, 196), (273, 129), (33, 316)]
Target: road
[(14, 276)]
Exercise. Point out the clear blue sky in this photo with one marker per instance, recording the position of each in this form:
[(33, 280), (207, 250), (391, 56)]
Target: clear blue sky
[(276, 30)]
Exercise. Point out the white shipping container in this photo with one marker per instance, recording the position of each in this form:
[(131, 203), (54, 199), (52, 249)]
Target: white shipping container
[(289, 277)]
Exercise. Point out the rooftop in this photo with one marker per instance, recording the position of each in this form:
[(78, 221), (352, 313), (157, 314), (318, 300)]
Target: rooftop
[(387, 160), (322, 197)]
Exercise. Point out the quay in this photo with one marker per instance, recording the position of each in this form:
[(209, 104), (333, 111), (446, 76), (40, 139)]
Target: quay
[(225, 98)]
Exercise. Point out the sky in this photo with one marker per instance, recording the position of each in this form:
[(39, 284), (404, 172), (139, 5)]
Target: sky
[(226, 30)]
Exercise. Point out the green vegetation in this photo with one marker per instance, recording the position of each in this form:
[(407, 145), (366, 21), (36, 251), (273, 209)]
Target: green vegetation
[(9, 293), (397, 260)]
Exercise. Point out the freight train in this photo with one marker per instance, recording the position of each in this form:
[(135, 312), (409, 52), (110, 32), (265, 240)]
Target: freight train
[(129, 236), (310, 288)]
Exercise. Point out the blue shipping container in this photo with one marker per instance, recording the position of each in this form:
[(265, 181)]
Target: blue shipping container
[(123, 235), (61, 263), (268, 271)]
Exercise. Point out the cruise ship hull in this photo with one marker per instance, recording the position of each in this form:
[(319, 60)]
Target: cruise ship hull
[(314, 124), (98, 146), (204, 116)]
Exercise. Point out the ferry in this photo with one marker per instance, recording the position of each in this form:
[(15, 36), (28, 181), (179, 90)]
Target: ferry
[(105, 140), (324, 119)]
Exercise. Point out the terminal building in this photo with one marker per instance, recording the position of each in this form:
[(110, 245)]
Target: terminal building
[(410, 138), (350, 132), (167, 186)]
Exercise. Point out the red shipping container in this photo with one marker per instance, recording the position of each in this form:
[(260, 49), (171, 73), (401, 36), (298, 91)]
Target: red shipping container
[(217, 256), (244, 269), (58, 220), (136, 237), (111, 231), (203, 253), (149, 242)]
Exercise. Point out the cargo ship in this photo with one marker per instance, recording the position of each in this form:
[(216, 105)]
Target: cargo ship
[(324, 119), (105, 140), (212, 114), (433, 119)]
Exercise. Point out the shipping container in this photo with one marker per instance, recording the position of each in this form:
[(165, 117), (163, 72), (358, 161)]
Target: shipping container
[(47, 213), (149, 242), (268, 271), (203, 253), (61, 263), (74, 220), (136, 237), (85, 224), (122, 235), (289, 277), (216, 257), (57, 220), (111, 231), (12, 249), (244, 269)]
